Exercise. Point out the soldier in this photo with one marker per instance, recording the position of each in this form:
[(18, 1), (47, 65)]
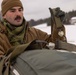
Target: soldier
[(14, 29)]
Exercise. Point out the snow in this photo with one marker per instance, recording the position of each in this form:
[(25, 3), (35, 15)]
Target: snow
[(73, 18), (70, 31)]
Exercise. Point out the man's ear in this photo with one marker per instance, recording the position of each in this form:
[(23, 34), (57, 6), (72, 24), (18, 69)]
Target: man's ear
[(4, 16)]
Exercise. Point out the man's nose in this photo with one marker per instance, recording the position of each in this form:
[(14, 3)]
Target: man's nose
[(17, 12)]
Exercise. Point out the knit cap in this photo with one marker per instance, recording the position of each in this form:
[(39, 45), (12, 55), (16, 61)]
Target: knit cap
[(8, 4)]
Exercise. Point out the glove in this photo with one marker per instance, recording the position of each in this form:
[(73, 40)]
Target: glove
[(60, 13)]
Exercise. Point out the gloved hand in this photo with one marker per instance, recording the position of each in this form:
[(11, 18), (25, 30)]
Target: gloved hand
[(60, 13)]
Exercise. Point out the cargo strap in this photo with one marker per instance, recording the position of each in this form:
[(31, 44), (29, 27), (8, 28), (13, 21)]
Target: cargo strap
[(60, 45), (57, 28), (8, 59)]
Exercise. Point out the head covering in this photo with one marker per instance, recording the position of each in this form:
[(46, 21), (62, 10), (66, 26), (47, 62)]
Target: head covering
[(8, 4)]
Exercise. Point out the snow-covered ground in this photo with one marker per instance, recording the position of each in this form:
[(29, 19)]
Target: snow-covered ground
[(70, 31)]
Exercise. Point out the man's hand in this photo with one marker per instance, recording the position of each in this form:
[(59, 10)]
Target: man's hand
[(60, 13)]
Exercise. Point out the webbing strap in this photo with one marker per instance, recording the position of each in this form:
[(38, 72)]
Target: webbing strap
[(57, 28), (60, 45), (9, 57)]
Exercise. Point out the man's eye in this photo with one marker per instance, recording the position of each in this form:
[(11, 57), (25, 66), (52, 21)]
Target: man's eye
[(12, 11), (20, 10)]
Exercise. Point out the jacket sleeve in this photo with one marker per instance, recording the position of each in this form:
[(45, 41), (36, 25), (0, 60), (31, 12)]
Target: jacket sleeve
[(41, 35), (4, 47), (4, 44)]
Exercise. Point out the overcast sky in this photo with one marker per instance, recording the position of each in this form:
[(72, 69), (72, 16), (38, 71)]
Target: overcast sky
[(37, 9)]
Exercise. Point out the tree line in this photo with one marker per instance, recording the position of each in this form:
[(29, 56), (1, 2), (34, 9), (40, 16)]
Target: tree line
[(68, 16)]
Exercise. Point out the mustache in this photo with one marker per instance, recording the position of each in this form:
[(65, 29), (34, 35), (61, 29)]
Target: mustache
[(18, 17)]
